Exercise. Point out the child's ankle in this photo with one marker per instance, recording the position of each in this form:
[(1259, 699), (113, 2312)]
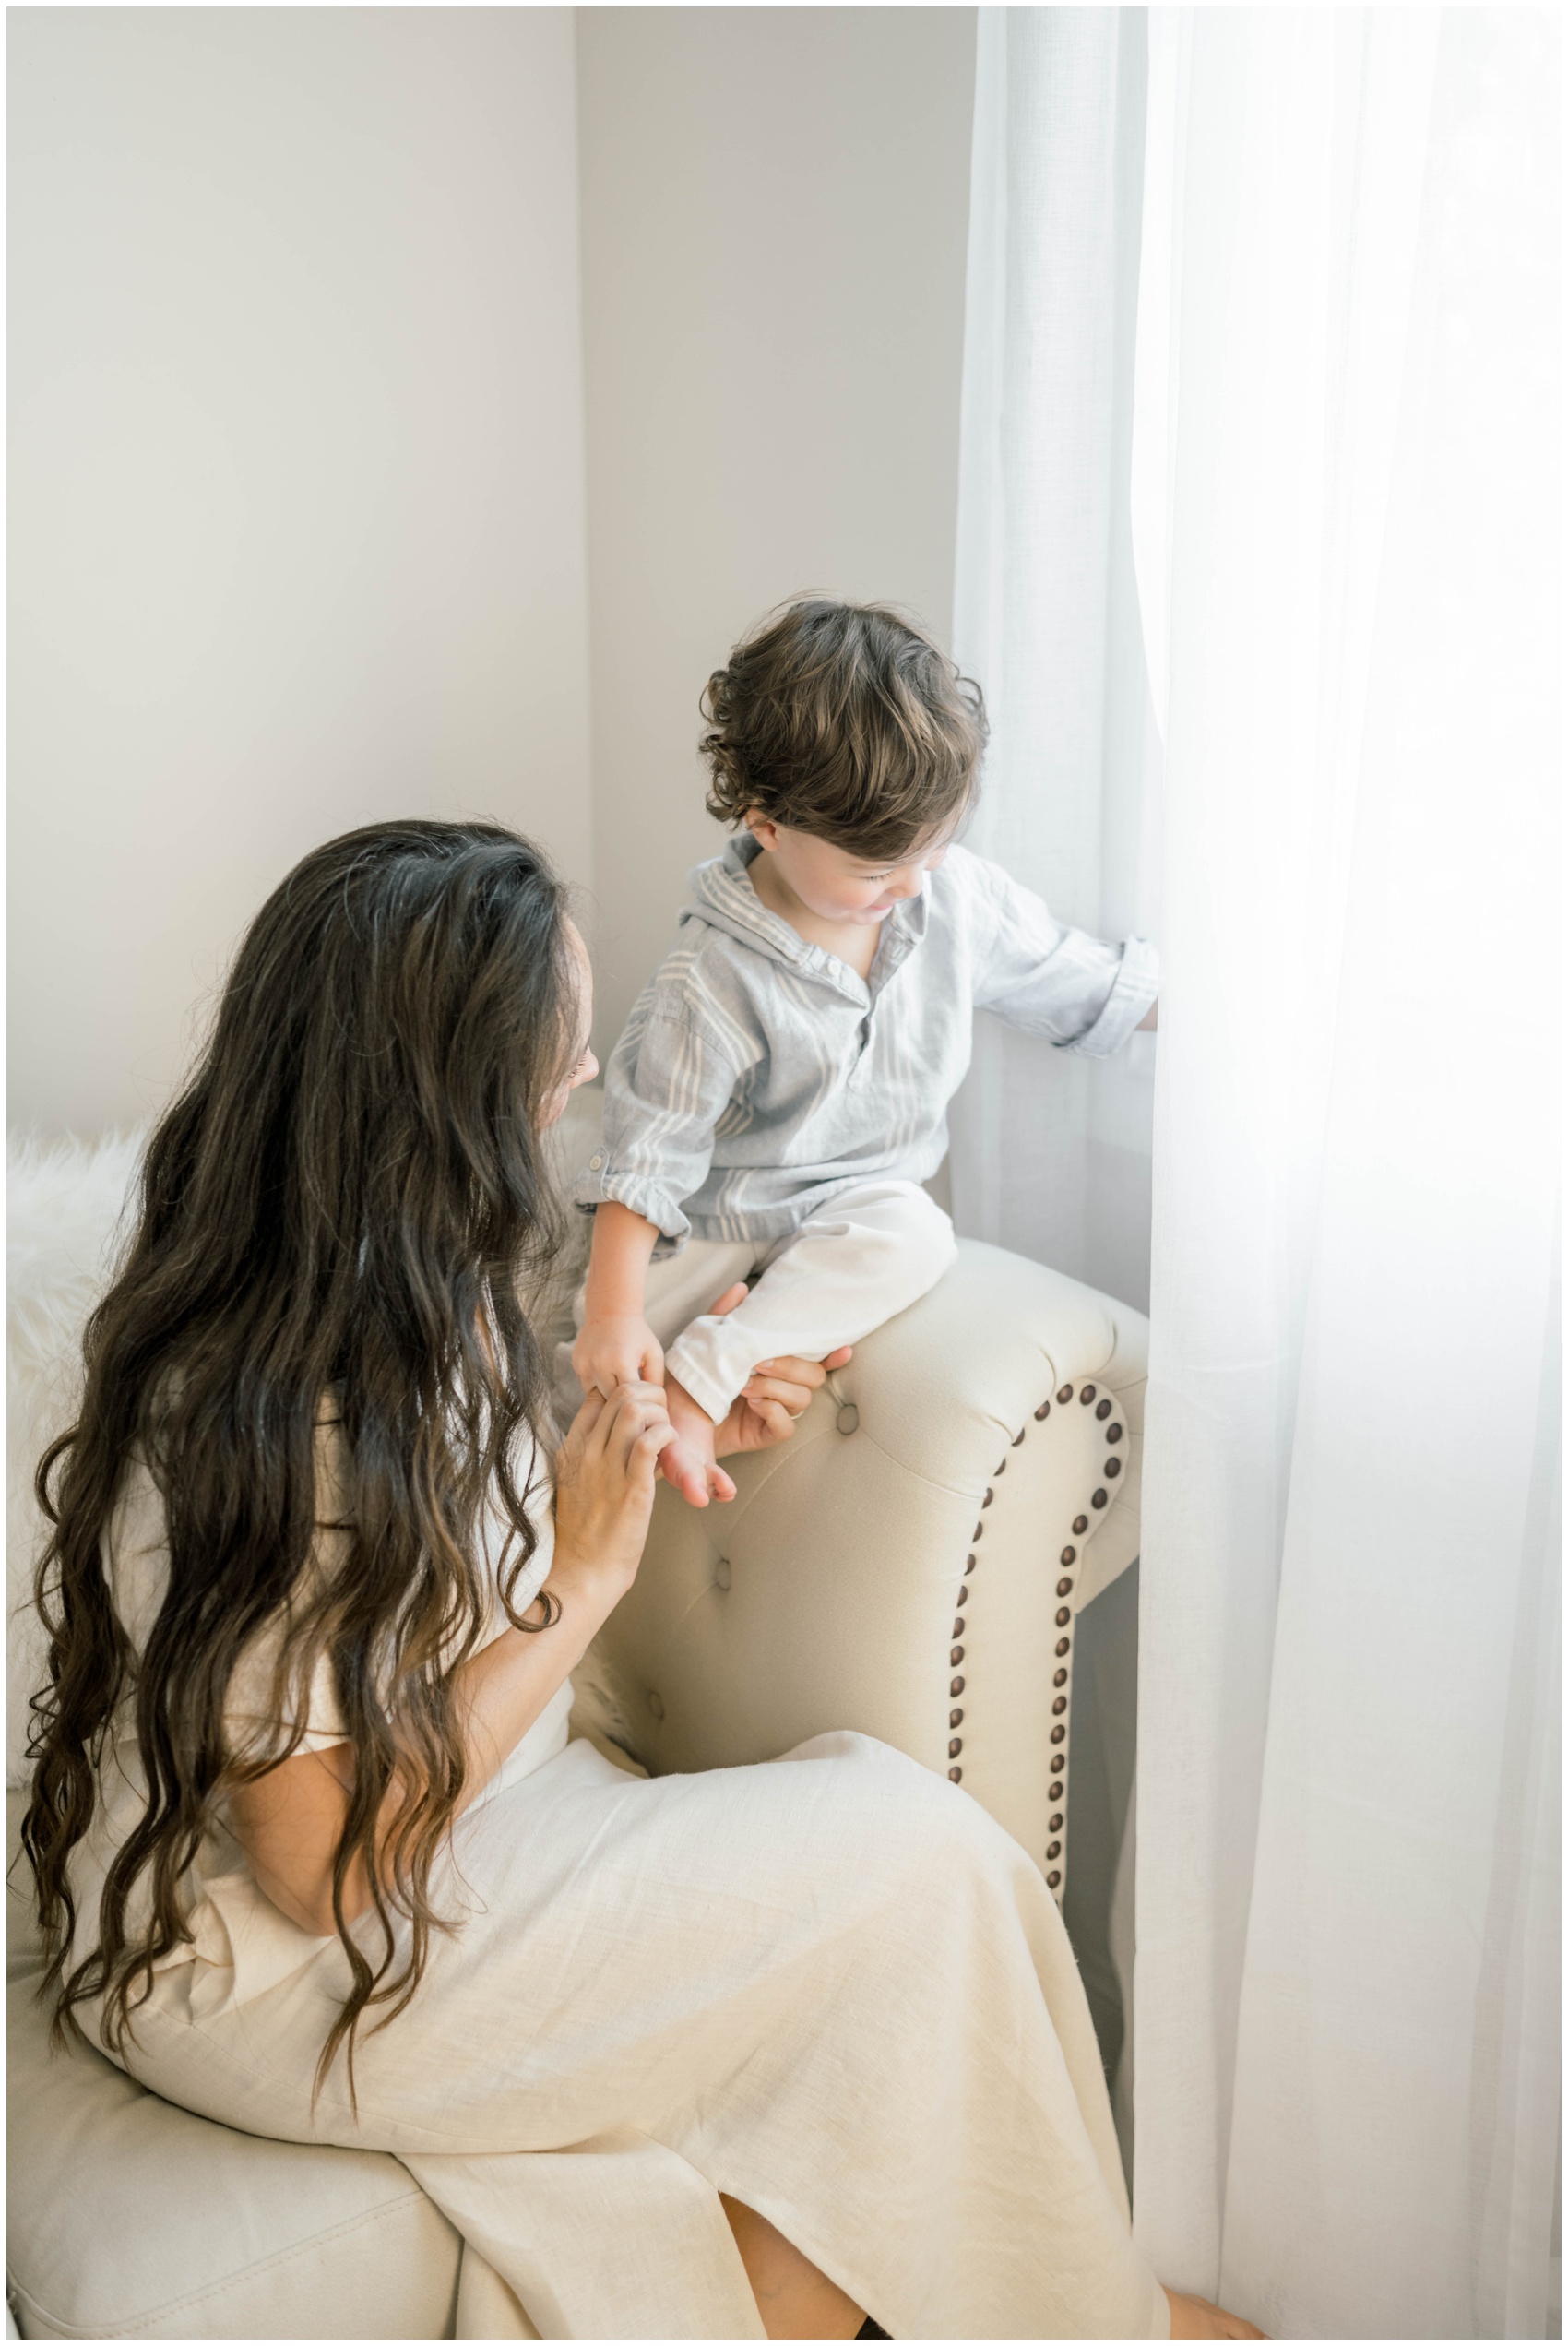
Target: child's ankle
[(687, 1414)]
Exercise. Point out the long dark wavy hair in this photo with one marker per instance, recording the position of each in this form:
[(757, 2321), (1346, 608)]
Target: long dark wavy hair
[(344, 1202)]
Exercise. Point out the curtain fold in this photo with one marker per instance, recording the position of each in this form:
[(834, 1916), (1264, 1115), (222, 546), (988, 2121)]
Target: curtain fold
[(1345, 514), (1051, 1154)]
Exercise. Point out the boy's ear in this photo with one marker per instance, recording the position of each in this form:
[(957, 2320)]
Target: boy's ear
[(763, 828)]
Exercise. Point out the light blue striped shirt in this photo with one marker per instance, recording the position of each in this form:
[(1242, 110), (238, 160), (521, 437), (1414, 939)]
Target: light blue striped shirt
[(758, 1076)]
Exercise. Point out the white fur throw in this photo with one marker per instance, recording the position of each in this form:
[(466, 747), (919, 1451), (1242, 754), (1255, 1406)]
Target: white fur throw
[(66, 1218)]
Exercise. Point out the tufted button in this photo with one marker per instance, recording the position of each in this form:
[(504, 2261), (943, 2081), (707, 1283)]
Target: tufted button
[(1114, 1432), (968, 1566), (956, 1657), (1059, 1679), (955, 1719), (1018, 1437), (955, 1775), (1059, 1705), (978, 1531), (1064, 1587), (988, 1498), (958, 1627), (1080, 1524), (1053, 1881), (1112, 1468), (722, 1576), (956, 1687), (1100, 1498), (1104, 1410), (1056, 1822), (955, 1746), (1062, 1644), (963, 1596), (656, 1704), (1059, 1734), (1043, 1411), (1069, 1555), (1086, 1396), (847, 1418), (1001, 1467), (1054, 1850), (1065, 1393), (1062, 1616), (1057, 1764)]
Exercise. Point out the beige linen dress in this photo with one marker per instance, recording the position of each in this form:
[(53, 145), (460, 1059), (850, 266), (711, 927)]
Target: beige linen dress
[(830, 1986)]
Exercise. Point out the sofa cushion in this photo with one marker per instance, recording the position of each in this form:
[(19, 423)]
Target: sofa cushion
[(131, 2217)]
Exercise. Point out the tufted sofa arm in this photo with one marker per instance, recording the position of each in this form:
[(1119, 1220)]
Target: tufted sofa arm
[(911, 1563)]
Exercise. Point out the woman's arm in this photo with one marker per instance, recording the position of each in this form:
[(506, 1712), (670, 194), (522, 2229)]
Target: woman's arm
[(290, 1821)]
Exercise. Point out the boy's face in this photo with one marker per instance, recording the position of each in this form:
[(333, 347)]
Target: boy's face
[(837, 884)]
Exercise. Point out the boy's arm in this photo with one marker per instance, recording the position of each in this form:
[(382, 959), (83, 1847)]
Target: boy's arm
[(665, 1088), (615, 1345), (1083, 993)]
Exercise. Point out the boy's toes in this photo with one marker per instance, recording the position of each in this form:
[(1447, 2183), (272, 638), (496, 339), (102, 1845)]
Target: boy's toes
[(686, 1470), (719, 1484)]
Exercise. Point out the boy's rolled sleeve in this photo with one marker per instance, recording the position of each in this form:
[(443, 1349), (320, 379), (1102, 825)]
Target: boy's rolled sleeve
[(665, 1088), (1084, 994)]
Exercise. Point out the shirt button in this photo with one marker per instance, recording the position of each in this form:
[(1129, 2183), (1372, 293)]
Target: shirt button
[(594, 1164)]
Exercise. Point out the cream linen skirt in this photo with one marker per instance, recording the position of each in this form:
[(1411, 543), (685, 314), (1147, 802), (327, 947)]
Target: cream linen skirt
[(830, 1986)]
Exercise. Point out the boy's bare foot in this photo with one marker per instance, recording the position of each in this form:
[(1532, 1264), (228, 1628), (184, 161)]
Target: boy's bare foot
[(688, 1461), (1195, 2317)]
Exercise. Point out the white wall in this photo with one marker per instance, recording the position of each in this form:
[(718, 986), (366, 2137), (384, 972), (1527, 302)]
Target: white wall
[(297, 415), (774, 205), (296, 482)]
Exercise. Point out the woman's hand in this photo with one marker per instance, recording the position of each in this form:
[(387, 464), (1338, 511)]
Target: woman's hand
[(774, 1396), (604, 1482)]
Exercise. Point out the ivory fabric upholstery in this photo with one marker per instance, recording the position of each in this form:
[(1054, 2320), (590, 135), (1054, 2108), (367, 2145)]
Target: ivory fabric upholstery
[(131, 2217)]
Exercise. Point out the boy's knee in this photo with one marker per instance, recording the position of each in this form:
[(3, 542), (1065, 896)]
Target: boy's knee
[(929, 1228)]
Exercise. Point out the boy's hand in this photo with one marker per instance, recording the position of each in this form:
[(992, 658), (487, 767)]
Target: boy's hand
[(617, 1349)]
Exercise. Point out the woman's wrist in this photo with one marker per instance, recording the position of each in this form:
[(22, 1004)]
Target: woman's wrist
[(587, 1586)]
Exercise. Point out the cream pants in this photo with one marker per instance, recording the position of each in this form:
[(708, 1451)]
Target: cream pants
[(867, 1256)]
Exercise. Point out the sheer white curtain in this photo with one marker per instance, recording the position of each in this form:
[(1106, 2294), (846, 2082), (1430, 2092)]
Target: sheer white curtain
[(1347, 519), (1051, 1154), (1345, 514)]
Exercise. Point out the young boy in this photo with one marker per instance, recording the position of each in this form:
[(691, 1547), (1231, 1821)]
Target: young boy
[(780, 1091)]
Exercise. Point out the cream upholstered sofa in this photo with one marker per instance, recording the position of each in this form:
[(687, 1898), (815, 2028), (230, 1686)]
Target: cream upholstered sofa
[(912, 1564)]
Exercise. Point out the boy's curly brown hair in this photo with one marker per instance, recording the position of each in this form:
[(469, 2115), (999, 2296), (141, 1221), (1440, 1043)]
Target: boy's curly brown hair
[(842, 719)]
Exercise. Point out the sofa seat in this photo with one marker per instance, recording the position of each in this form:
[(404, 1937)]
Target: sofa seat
[(195, 2231)]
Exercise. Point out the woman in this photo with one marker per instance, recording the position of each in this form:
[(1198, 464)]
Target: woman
[(724, 2054)]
